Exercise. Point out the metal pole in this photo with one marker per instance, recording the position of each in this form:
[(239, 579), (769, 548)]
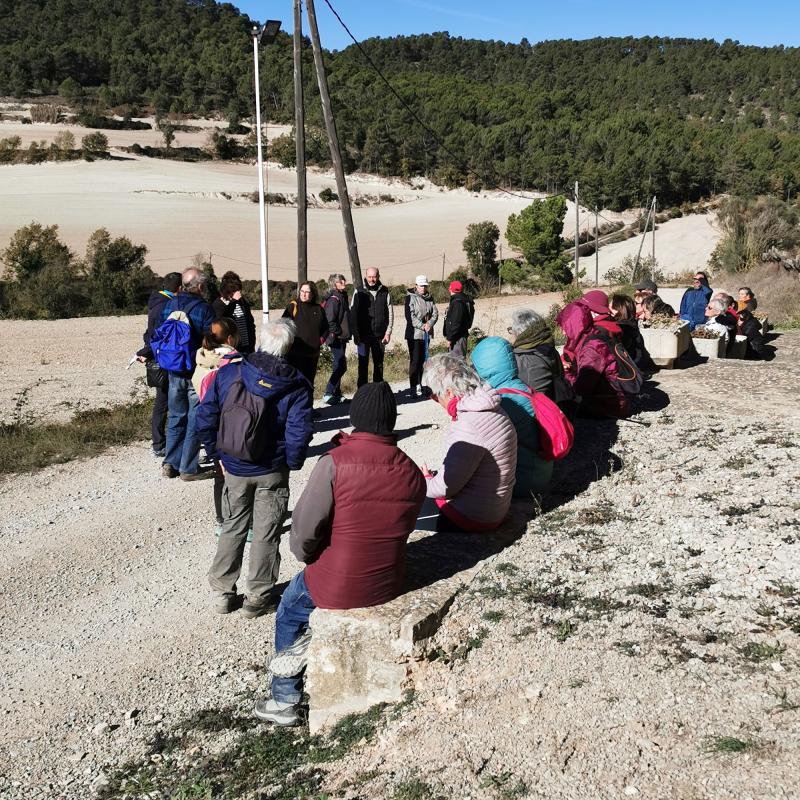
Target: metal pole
[(333, 142), (300, 147), (262, 215), (644, 236), (596, 250), (654, 230), (443, 260), (577, 234)]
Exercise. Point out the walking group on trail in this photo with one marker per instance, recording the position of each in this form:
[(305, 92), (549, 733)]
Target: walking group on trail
[(510, 404)]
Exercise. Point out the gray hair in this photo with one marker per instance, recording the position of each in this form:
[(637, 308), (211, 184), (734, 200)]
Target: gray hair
[(277, 337), (445, 372), (193, 280), (334, 278), (719, 304), (522, 319)]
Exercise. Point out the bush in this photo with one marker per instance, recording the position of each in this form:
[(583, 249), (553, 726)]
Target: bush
[(513, 273), (94, 145), (45, 112), (629, 273), (327, 195)]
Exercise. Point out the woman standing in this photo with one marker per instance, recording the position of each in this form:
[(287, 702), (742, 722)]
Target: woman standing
[(312, 329), (421, 316), (230, 303)]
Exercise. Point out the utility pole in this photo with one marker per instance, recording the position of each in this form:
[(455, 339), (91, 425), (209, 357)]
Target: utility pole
[(577, 234), (654, 229), (644, 236), (596, 250), (443, 260), (333, 142), (300, 146)]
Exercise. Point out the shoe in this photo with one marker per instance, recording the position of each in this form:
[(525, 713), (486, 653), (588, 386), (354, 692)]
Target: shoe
[(251, 610), (168, 471), (200, 475), (284, 714), (228, 603), (292, 660), (160, 453)]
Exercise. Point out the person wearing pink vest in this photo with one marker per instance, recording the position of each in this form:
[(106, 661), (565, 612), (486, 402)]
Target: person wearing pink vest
[(354, 556)]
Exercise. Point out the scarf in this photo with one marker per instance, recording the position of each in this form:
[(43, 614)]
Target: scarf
[(536, 334)]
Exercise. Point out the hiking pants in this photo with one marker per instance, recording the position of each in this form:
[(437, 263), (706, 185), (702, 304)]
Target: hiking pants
[(338, 351), (158, 422), (183, 446), (416, 361), (369, 346), (266, 498), (458, 348)]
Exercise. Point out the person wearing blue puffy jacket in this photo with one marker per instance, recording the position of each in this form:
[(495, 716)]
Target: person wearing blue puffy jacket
[(493, 360), (694, 301)]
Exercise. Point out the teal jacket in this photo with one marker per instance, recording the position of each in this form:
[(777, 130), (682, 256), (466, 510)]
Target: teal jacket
[(493, 360)]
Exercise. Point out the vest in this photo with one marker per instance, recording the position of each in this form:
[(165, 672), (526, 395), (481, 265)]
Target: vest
[(373, 312)]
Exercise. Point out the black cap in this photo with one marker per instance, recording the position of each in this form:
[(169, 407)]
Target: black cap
[(373, 409), (647, 286)]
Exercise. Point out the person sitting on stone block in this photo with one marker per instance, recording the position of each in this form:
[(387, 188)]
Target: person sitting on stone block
[(354, 558)]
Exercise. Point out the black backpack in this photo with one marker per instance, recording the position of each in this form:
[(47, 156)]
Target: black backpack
[(243, 424), (629, 378)]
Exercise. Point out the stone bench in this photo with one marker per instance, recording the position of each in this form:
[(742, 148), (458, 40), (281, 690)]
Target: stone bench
[(666, 345), (361, 657)]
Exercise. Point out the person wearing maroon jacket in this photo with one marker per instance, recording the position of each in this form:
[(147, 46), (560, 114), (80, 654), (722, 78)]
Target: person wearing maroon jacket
[(352, 558)]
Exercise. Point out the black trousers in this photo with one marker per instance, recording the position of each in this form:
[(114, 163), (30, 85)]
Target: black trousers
[(374, 347), (416, 361), (158, 422)]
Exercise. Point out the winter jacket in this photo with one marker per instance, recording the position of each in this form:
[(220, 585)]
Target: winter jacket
[(289, 400), (200, 316), (633, 342), (459, 317), (155, 305), (421, 309), (210, 361), (337, 312), (372, 315), (693, 305), (591, 365), (312, 329), (747, 305), (239, 311), (493, 360), (720, 325), (354, 557), (477, 475)]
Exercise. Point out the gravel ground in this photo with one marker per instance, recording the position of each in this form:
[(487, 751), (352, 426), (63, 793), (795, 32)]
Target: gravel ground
[(653, 608)]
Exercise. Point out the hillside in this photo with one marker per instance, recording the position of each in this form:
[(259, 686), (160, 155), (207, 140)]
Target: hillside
[(627, 117)]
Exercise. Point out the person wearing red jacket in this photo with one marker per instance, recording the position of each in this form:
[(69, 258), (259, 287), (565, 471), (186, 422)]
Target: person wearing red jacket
[(353, 558)]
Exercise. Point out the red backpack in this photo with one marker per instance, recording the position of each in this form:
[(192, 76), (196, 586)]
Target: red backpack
[(556, 434)]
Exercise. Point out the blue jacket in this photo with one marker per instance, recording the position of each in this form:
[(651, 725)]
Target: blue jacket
[(200, 314), (289, 398), (493, 359), (693, 306)]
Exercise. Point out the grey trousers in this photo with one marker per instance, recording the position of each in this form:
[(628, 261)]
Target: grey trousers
[(266, 498), (458, 348)]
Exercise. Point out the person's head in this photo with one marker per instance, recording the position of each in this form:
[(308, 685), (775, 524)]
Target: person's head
[(596, 301), (456, 287), (646, 287), (652, 306), (745, 293), (307, 292), (337, 281), (745, 314), (421, 284), (621, 307), (521, 320), (725, 297), (373, 409), (223, 332), (229, 285), (716, 307), (193, 281), (449, 377), (373, 276), (171, 282), (700, 279), (277, 337)]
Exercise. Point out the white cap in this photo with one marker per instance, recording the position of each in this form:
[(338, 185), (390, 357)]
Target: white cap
[(422, 280)]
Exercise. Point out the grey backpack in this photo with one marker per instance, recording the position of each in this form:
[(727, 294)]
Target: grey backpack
[(243, 424)]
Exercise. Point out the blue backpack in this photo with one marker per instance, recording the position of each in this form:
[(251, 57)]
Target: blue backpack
[(171, 342)]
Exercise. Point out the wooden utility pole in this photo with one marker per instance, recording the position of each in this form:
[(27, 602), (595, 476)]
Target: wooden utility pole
[(577, 234), (333, 142), (654, 230), (444, 258), (300, 147), (596, 250)]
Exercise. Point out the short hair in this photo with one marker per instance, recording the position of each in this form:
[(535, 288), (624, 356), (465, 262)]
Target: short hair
[(314, 290), (704, 274), (718, 303), (746, 289), (230, 283), (522, 319), (377, 271), (334, 278), (193, 280), (725, 297), (623, 305), (277, 337), (228, 331), (171, 282), (445, 372), (655, 305)]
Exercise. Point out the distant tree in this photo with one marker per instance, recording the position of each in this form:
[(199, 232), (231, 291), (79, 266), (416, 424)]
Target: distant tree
[(70, 90), (167, 133), (282, 149), (65, 142), (115, 270), (94, 145), (31, 249), (9, 149), (480, 246)]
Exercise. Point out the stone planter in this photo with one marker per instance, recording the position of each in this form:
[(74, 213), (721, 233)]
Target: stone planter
[(665, 345), (710, 348)]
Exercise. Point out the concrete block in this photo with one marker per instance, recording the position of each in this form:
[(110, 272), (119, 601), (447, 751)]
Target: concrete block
[(665, 345), (710, 348)]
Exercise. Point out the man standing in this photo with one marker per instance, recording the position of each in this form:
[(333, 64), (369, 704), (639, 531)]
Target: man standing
[(156, 377), (190, 311), (458, 320), (373, 317), (352, 558), (337, 310), (256, 420)]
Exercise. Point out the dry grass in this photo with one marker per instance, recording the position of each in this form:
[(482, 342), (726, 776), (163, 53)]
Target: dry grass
[(777, 291)]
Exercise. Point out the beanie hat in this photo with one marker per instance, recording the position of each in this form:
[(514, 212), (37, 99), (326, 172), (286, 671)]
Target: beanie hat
[(373, 409), (455, 286), (596, 301)]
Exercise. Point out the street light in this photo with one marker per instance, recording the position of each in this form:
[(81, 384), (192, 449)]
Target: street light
[(262, 35)]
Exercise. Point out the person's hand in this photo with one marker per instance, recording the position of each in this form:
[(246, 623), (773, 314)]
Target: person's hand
[(425, 471), (141, 359), (426, 327), (386, 338), (237, 295)]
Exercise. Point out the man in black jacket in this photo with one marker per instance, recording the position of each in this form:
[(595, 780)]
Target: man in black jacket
[(372, 317), (458, 320), (337, 310), (156, 376)]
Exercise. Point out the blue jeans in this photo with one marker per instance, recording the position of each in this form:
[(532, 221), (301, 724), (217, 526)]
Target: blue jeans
[(183, 446), (291, 623), (338, 351)]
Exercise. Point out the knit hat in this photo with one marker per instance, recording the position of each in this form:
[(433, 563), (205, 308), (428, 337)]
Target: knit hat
[(373, 409), (455, 286), (595, 301)]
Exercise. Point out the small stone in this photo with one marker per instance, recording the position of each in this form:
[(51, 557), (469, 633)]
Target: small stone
[(132, 713), (103, 728), (776, 667), (77, 756), (100, 783), (630, 791), (533, 692)]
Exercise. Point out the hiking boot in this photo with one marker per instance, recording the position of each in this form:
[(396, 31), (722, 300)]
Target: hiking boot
[(292, 660), (227, 603), (200, 475), (251, 609), (168, 471), (159, 452), (284, 714)]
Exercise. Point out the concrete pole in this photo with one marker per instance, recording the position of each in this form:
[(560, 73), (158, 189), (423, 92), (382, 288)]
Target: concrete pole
[(577, 234), (262, 212), (300, 147), (596, 250), (654, 230)]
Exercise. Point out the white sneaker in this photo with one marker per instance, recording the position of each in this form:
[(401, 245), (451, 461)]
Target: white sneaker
[(291, 661), (283, 714)]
